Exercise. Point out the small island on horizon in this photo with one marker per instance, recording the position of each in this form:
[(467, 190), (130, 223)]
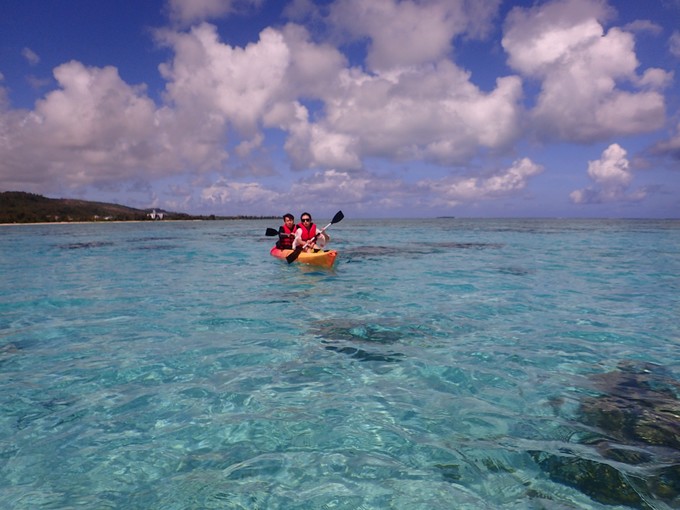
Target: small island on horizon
[(19, 207)]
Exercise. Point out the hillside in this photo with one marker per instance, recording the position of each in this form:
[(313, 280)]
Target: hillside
[(21, 207)]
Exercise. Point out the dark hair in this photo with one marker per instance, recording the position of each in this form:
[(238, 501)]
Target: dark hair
[(306, 214), (288, 215)]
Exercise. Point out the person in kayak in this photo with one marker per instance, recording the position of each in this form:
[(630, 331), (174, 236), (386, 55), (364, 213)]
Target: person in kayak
[(305, 231), (286, 233)]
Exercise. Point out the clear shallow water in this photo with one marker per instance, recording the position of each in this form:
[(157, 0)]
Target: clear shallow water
[(442, 364)]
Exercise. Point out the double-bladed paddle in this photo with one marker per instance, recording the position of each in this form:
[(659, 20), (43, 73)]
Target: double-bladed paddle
[(296, 253)]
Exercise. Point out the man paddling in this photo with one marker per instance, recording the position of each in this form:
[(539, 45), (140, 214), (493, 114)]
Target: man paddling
[(286, 233)]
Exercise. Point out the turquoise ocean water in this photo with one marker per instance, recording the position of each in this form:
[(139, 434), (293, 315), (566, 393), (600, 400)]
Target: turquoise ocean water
[(442, 364)]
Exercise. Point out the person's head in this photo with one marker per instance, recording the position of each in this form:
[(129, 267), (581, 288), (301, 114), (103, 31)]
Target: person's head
[(305, 217), (288, 219)]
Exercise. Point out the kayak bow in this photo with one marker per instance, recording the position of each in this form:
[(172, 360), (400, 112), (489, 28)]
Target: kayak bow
[(321, 258)]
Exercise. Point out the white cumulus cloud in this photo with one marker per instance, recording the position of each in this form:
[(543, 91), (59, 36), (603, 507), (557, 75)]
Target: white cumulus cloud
[(31, 56), (455, 190), (405, 33), (433, 112), (195, 11), (670, 146), (585, 72), (93, 128), (674, 43), (611, 176), (238, 194)]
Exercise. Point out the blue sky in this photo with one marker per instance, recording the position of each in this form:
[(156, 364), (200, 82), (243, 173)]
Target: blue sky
[(381, 108)]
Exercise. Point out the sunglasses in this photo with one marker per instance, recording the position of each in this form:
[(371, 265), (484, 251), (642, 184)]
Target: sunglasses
[(306, 219)]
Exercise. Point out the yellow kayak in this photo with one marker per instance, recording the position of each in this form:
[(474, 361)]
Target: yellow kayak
[(324, 258)]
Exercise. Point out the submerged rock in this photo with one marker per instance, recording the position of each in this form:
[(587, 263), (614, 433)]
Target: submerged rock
[(639, 403), (411, 250), (374, 332), (636, 461), (600, 481), (364, 355), (363, 340)]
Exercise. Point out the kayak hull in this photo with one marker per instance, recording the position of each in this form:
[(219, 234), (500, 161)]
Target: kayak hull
[(321, 258)]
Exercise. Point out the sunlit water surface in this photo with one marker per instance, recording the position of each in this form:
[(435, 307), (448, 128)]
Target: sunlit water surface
[(442, 364)]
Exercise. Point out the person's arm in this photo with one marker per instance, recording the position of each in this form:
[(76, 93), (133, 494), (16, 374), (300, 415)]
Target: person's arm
[(322, 239), (298, 238)]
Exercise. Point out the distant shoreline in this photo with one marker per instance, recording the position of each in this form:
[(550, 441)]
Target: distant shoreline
[(130, 221), (79, 222), (22, 208)]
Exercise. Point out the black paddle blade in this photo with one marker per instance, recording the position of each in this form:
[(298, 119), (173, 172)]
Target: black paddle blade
[(296, 253), (338, 217), (271, 232)]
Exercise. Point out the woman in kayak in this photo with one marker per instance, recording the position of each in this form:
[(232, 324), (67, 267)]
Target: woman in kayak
[(286, 233), (306, 231)]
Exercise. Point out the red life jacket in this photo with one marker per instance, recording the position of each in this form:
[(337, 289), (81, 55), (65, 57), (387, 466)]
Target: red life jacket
[(307, 234), (285, 243)]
